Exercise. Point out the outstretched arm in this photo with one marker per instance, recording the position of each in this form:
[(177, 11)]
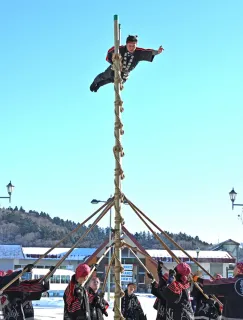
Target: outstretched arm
[(148, 54)]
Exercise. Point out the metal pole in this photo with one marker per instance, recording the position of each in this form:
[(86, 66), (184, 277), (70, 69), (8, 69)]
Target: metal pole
[(109, 259), (118, 152)]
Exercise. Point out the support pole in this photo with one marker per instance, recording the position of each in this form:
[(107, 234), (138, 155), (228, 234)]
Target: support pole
[(118, 153), (139, 213), (109, 259), (106, 207), (137, 210), (50, 273), (108, 271), (97, 263)]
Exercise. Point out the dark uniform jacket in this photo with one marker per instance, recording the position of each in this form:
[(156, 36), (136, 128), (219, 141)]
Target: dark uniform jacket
[(160, 303), (131, 307), (76, 303), (15, 302), (131, 60), (177, 296), (232, 290), (206, 309), (97, 304)]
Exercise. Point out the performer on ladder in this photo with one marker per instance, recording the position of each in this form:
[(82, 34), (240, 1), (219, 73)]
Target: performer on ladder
[(131, 56)]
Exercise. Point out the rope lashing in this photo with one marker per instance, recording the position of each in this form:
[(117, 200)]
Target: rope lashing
[(118, 130)]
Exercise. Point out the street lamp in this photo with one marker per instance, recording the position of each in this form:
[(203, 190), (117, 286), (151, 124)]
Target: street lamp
[(10, 188), (198, 251), (232, 195), (95, 201)]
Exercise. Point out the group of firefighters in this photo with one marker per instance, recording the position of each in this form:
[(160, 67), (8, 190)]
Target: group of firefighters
[(177, 296)]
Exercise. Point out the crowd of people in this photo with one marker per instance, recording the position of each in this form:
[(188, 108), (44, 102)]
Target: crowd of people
[(177, 296)]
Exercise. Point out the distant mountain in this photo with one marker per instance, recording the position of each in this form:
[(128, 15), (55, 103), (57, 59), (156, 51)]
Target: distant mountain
[(39, 229)]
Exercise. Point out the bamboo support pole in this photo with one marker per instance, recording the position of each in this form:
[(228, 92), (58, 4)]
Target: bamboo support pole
[(140, 262), (156, 236), (118, 153), (50, 273), (166, 247), (107, 272), (97, 263), (170, 239), (73, 231), (57, 244), (141, 252)]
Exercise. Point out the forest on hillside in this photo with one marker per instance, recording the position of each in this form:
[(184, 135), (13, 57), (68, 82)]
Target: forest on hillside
[(34, 228)]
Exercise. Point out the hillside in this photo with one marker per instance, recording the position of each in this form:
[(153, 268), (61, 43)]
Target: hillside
[(39, 229)]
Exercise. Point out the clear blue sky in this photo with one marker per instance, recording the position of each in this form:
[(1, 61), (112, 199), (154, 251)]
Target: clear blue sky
[(183, 112)]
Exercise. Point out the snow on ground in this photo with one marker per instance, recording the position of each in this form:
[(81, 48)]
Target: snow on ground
[(52, 308)]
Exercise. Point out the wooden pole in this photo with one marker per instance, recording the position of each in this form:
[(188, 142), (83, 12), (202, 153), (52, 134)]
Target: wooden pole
[(118, 153)]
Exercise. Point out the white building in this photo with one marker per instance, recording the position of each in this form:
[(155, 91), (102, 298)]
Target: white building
[(16, 256), (212, 261)]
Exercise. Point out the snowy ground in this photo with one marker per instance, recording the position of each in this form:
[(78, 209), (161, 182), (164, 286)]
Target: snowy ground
[(52, 308)]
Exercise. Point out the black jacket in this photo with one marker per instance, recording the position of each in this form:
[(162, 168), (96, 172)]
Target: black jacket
[(138, 55), (178, 305), (131, 307), (16, 299), (160, 303), (76, 303), (232, 290), (206, 309), (97, 305)]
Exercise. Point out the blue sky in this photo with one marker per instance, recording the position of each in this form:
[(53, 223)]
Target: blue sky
[(182, 120)]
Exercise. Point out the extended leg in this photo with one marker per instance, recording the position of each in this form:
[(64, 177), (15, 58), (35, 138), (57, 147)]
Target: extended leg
[(103, 78)]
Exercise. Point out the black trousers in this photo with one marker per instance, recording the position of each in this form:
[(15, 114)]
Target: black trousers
[(107, 77)]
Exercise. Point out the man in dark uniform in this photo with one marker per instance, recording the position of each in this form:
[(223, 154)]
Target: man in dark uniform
[(231, 289), (176, 294), (76, 302), (130, 305), (98, 305), (131, 56)]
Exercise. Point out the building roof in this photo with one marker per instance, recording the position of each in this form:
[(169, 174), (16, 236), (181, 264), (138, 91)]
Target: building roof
[(218, 246), (204, 255), (96, 252), (57, 253), (11, 251)]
